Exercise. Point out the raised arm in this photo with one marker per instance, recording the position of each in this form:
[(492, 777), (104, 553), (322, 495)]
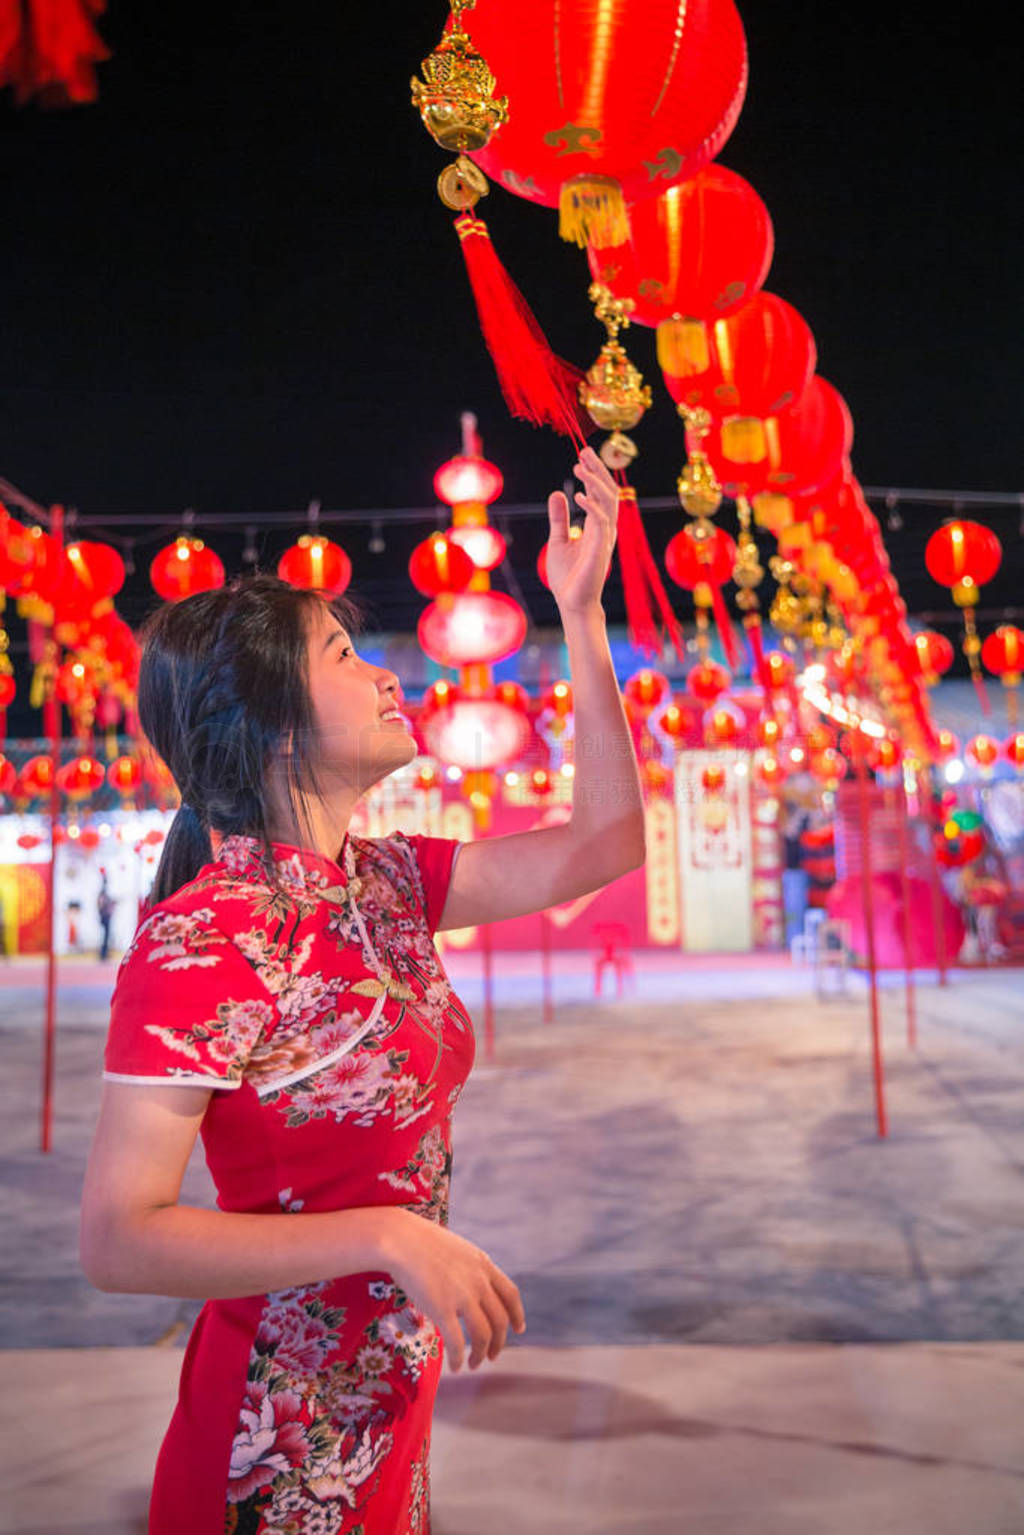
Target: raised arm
[(136, 1238)]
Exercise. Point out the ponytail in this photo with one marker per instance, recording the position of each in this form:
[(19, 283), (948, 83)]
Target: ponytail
[(186, 850)]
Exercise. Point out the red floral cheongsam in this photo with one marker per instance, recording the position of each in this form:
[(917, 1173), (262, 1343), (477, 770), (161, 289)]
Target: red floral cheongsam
[(305, 1411)]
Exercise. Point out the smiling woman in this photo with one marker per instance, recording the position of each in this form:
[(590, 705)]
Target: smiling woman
[(283, 995)]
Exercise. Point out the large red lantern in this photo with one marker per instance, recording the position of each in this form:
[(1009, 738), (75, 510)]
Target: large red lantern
[(804, 447), (612, 101), (33, 565), (468, 480), (700, 556), (468, 627), (761, 360), (314, 563), (185, 567), (700, 251), (439, 564)]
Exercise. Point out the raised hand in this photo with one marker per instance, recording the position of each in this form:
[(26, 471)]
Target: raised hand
[(577, 568)]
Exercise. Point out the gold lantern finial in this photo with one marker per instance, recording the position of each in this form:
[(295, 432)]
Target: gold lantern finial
[(698, 487), (458, 107), (613, 392)]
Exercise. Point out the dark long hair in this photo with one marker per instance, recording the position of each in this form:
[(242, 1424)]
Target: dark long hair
[(223, 683)]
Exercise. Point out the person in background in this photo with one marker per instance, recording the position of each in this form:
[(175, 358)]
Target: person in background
[(795, 879), (105, 912)]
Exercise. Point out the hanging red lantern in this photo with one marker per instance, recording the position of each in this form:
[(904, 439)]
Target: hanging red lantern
[(646, 688), (91, 575), (767, 732), (828, 766), (427, 778), (713, 779), (611, 104), (762, 359), (485, 546), (723, 723), (125, 775), (805, 446), (468, 480), (963, 555), (700, 251), (983, 751), (466, 627), (770, 771), (439, 564), (673, 722), (81, 777), (696, 558), (35, 779), (314, 563), (184, 568), (1003, 653), (885, 756), (541, 783), (1013, 749), (945, 745), (35, 577), (707, 681), (8, 775), (778, 671), (935, 654)]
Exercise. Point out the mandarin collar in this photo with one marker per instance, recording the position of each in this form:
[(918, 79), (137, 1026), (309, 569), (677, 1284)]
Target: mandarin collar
[(244, 856)]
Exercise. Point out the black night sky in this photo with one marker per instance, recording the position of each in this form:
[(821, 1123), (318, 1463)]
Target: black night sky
[(228, 285)]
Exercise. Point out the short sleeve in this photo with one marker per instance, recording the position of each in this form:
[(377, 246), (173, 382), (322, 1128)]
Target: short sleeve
[(433, 859), (187, 1008)]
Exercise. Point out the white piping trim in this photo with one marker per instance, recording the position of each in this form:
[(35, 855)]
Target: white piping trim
[(326, 1060), (196, 1081)]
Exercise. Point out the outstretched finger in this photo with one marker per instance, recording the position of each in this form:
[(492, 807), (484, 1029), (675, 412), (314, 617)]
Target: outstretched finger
[(558, 515)]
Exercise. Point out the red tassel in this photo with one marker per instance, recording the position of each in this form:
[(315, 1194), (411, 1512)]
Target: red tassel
[(49, 49), (538, 386), (641, 580), (755, 634), (726, 632), (982, 692)]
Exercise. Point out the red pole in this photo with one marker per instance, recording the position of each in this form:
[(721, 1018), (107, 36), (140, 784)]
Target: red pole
[(934, 880), (908, 933), (52, 730), (545, 960), (485, 945), (869, 929)]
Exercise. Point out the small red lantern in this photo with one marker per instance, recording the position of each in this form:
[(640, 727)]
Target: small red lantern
[(935, 654), (185, 567), (485, 546), (90, 574), (541, 783), (946, 745), (1013, 748), (829, 766), (723, 723), (468, 480), (89, 838), (778, 671), (963, 555), (439, 564), (713, 779), (466, 627), (646, 688), (125, 775), (707, 681), (81, 777), (770, 771), (674, 722), (768, 732), (428, 778), (314, 563), (35, 779), (885, 756), (1003, 653), (983, 751)]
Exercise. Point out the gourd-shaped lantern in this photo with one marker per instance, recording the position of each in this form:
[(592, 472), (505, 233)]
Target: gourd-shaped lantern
[(184, 568), (610, 102), (965, 555), (315, 563), (1003, 653)]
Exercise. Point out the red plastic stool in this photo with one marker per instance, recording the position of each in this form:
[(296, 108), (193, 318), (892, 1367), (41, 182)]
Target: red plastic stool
[(612, 941)]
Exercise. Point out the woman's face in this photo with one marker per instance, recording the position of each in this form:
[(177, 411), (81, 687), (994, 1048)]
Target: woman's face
[(357, 744)]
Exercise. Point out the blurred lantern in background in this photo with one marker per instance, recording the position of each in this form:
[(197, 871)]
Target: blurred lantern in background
[(316, 564), (184, 568), (8, 775), (80, 778), (439, 564), (124, 775), (1003, 653), (707, 680), (1013, 748), (964, 556), (35, 779), (828, 766), (983, 751), (935, 654)]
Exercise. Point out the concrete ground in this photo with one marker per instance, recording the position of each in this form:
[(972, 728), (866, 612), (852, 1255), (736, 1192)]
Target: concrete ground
[(746, 1311)]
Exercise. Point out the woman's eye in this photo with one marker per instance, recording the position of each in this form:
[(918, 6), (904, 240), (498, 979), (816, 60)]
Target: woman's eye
[(348, 651)]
